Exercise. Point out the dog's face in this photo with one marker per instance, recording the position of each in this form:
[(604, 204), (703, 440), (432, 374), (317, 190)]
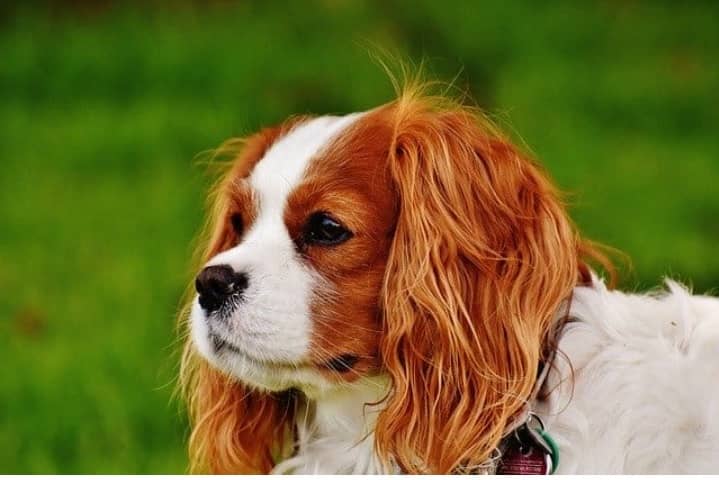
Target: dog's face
[(291, 300), (412, 241)]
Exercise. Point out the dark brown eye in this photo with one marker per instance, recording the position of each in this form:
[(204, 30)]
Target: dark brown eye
[(322, 229), (237, 224)]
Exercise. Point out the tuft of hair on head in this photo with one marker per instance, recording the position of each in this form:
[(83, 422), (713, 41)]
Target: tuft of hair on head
[(483, 256)]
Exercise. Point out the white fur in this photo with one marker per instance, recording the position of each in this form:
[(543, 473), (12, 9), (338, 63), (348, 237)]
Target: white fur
[(644, 397), (335, 432), (272, 325)]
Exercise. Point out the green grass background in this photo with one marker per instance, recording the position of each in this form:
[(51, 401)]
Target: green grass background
[(104, 107)]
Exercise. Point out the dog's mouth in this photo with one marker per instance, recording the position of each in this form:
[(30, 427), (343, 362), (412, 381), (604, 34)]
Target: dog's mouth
[(341, 364), (219, 344)]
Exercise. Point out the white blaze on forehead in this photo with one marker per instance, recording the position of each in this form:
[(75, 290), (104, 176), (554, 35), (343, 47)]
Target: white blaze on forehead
[(284, 164)]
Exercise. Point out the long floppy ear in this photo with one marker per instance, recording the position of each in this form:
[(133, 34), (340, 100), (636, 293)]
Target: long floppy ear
[(235, 429), (482, 257)]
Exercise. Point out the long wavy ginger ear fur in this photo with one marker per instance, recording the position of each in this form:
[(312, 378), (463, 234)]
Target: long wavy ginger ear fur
[(482, 257)]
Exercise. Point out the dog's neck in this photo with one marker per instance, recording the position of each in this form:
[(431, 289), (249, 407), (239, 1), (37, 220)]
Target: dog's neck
[(335, 431)]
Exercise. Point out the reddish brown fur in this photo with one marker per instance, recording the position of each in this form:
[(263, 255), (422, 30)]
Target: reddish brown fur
[(461, 256), (350, 180), (483, 255)]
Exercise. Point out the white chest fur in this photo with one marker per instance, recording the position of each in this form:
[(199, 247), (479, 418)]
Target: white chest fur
[(335, 432)]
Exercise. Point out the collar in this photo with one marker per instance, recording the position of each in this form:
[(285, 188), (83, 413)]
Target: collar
[(527, 448)]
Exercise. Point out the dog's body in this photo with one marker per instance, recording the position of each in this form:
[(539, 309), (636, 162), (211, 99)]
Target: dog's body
[(380, 290), (633, 391)]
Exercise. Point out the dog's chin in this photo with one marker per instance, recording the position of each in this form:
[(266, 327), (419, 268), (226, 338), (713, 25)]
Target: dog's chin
[(264, 374)]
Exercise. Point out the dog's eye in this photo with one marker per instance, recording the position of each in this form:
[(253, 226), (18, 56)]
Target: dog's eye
[(322, 229), (238, 225)]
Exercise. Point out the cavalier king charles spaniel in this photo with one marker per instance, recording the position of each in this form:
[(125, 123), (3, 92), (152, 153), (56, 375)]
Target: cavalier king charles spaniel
[(402, 291)]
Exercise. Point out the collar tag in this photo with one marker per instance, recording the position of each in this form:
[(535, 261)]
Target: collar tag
[(529, 450)]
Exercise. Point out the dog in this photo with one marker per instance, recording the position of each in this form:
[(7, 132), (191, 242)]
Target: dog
[(401, 290)]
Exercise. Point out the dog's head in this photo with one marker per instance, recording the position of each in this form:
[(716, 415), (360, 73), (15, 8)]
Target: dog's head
[(411, 241)]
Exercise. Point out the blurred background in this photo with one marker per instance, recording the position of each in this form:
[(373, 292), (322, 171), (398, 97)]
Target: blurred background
[(105, 106)]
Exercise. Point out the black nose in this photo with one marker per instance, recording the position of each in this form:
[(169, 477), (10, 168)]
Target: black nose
[(216, 284)]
